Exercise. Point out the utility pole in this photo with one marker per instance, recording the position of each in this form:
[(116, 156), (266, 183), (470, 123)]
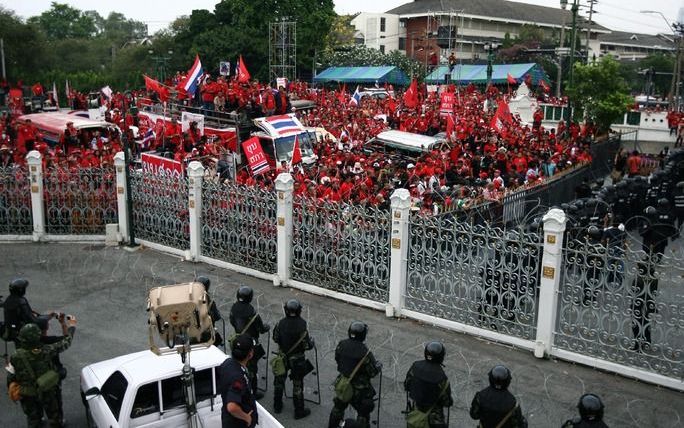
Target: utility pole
[(2, 58), (559, 77), (591, 13)]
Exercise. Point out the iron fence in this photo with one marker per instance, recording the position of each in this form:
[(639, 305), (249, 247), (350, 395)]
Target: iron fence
[(16, 217), (79, 202), (342, 247), (239, 225), (160, 208), (621, 304), (474, 274)]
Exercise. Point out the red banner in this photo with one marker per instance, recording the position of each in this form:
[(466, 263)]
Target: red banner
[(255, 156), (446, 106), (157, 165)]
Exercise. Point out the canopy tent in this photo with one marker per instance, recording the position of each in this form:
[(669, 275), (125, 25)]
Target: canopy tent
[(384, 74), (477, 74)]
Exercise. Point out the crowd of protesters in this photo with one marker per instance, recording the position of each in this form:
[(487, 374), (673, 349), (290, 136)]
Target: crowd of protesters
[(478, 162)]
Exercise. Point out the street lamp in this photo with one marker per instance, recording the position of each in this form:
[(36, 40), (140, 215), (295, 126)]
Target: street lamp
[(490, 47), (574, 9), (160, 62)]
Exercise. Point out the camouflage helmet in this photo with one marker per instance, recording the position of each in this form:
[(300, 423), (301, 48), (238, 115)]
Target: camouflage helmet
[(29, 335)]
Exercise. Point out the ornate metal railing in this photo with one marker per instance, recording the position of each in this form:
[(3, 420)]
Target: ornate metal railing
[(474, 274), (623, 305), (79, 202), (160, 209), (15, 201), (342, 247), (239, 225)]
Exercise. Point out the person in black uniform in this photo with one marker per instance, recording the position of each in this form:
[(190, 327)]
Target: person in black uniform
[(17, 310), (239, 406), (245, 320), (591, 413), (428, 387), (495, 406), (353, 357), (658, 230), (293, 339), (214, 313)]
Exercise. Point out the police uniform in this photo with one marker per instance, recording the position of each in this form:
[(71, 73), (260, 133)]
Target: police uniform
[(240, 315), (234, 386), (17, 311), (580, 423), (286, 334), (32, 360), (491, 405), (348, 354), (425, 382)]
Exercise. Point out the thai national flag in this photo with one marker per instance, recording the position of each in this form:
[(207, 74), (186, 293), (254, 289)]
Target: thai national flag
[(148, 138), (192, 79), (356, 98), (283, 124)]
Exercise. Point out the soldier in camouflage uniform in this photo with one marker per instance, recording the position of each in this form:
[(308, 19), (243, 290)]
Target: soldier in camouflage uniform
[(428, 386), (32, 360), (293, 339), (348, 355)]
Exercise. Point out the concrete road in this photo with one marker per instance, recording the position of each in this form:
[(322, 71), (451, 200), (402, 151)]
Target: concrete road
[(106, 289)]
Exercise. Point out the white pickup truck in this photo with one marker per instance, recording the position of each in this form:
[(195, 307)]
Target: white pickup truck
[(145, 390)]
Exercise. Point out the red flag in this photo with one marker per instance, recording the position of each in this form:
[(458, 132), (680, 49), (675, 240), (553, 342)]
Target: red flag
[(242, 73), (545, 86), (411, 95), (511, 80), (153, 85), (451, 125), (342, 95), (296, 153), (502, 115)]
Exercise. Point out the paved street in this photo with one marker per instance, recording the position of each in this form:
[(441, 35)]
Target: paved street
[(106, 289)]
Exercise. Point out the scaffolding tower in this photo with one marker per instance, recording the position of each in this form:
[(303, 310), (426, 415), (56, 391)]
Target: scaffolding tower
[(282, 50)]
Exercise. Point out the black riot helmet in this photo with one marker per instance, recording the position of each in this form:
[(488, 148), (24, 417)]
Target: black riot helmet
[(206, 282), (245, 294), (500, 377), (292, 308), (663, 203), (434, 352), (594, 233), (590, 407), (680, 185), (18, 286), (357, 331)]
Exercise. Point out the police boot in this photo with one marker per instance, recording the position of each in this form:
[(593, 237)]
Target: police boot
[(300, 410), (334, 420), (278, 400), (258, 395)]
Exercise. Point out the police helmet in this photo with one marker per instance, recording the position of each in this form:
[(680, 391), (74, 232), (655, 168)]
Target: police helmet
[(579, 203), (206, 282), (357, 331), (435, 351), (245, 294), (594, 232), (18, 286), (292, 308), (591, 202), (499, 377), (650, 210), (680, 185), (590, 407), (663, 203), (29, 335)]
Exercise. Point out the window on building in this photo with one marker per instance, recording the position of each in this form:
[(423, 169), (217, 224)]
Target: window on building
[(382, 48), (382, 24), (382, 37), (402, 23), (402, 43)]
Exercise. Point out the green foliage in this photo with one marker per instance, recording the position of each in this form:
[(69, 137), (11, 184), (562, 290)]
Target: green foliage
[(360, 55), (599, 91), (661, 63), (62, 21), (341, 32), (20, 39)]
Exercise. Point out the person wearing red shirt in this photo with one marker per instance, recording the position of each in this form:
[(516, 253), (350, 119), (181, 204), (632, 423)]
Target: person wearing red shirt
[(633, 164)]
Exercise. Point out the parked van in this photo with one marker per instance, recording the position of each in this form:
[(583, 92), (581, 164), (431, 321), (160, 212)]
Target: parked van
[(144, 389), (52, 125), (277, 137), (403, 144)]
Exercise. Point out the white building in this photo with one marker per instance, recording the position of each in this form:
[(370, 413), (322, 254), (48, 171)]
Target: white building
[(378, 30)]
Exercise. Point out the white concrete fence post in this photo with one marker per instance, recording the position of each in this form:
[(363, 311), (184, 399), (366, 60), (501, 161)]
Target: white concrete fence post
[(121, 195), (554, 229), (399, 242), (195, 177), (35, 163), (284, 185)]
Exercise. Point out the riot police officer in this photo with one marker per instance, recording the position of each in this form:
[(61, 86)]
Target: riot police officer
[(495, 406), (679, 203), (214, 313), (292, 337), (428, 387), (245, 320), (239, 405), (356, 363), (591, 413), (658, 230), (18, 312)]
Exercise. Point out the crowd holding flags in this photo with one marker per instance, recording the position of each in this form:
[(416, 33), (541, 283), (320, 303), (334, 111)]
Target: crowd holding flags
[(411, 95), (356, 98), (192, 79), (241, 73)]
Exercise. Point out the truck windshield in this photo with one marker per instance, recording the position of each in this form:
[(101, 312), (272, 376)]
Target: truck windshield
[(285, 146)]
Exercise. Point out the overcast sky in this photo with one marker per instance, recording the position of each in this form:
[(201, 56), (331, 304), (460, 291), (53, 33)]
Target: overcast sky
[(621, 15)]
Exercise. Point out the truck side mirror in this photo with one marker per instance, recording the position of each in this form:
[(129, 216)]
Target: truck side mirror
[(94, 391)]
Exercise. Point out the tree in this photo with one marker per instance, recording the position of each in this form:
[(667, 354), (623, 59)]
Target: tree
[(62, 21), (600, 92), (19, 39), (341, 32)]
